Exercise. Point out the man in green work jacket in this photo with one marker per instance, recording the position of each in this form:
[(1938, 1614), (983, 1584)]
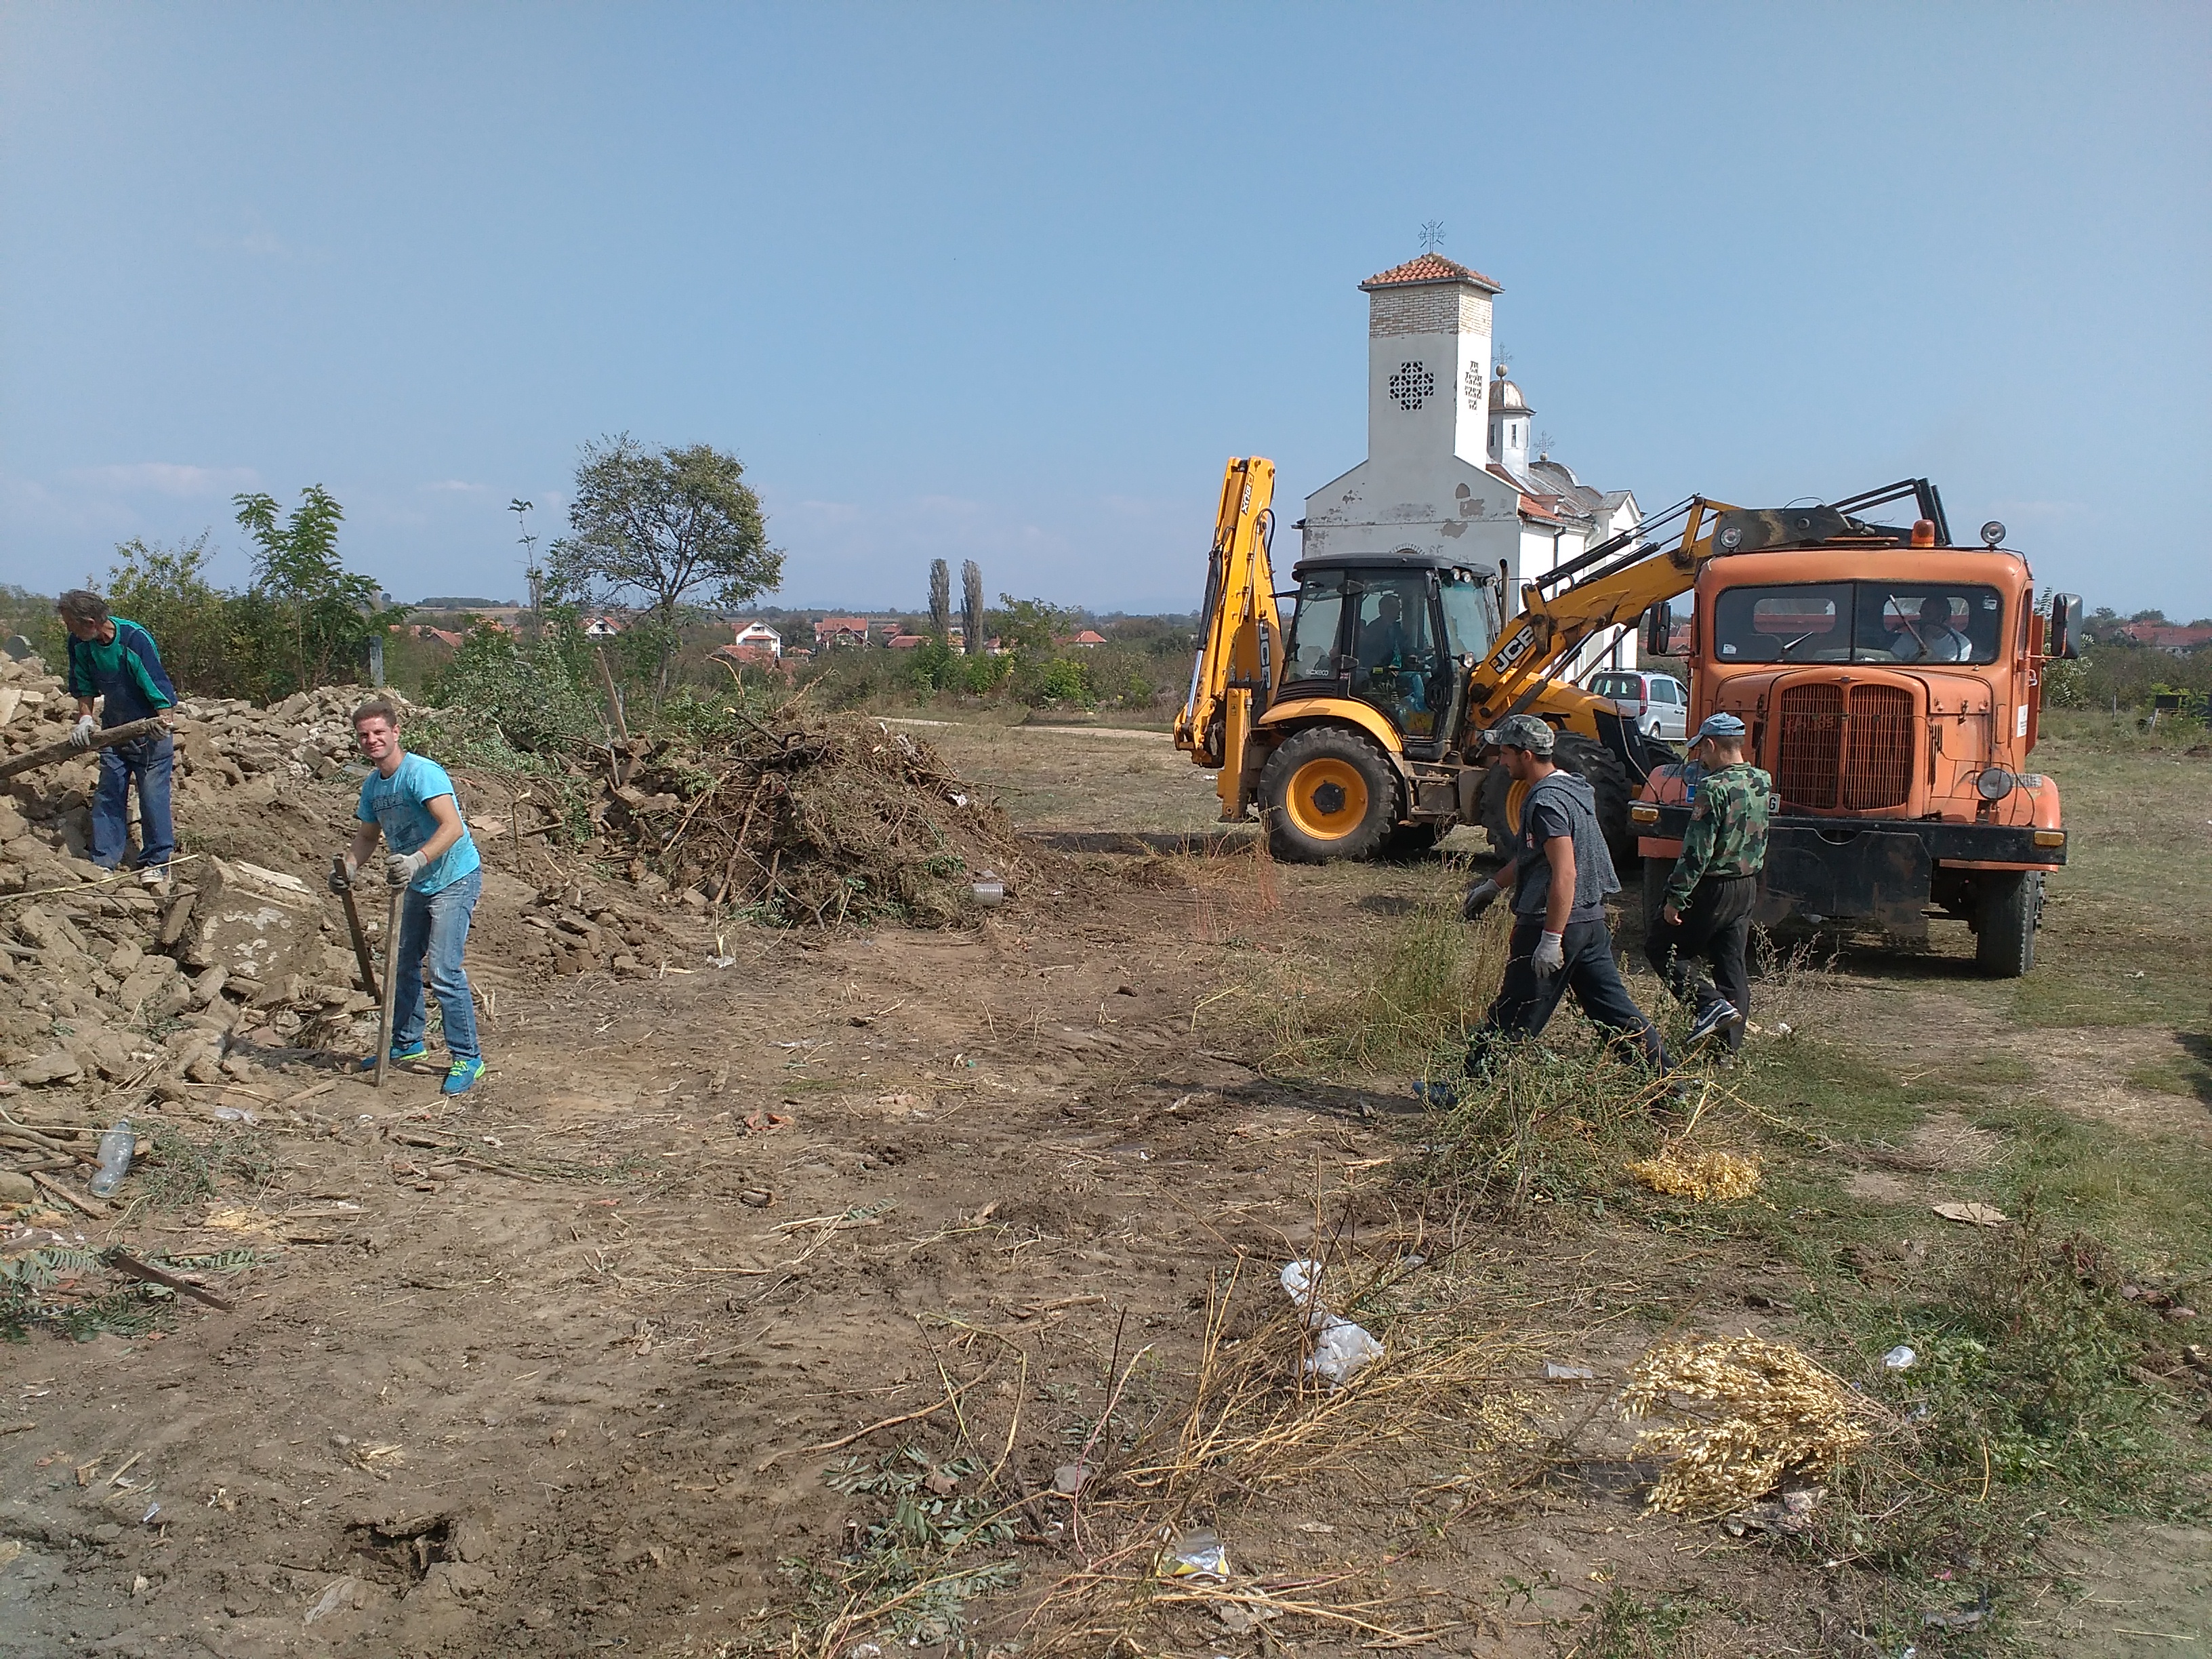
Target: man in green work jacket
[(1705, 910), (114, 661)]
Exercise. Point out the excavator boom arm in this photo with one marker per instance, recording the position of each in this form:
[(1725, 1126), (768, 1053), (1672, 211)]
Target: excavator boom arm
[(1240, 630)]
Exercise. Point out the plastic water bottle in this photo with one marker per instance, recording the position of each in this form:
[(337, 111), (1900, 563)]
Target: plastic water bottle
[(115, 1149)]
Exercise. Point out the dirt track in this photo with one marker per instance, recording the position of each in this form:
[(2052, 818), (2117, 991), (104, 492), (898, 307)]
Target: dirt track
[(559, 1369), (553, 1321)]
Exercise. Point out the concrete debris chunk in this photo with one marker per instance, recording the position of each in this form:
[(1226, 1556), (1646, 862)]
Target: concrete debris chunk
[(248, 920)]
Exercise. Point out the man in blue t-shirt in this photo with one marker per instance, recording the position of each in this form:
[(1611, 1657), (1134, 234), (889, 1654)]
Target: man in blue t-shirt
[(408, 800)]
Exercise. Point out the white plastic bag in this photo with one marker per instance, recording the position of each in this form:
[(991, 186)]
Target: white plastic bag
[(1341, 1349)]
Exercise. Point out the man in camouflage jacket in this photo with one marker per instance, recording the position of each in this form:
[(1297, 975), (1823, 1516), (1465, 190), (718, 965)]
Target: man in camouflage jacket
[(1706, 911)]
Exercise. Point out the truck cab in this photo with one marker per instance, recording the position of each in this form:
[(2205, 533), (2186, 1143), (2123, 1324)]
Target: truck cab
[(1891, 686)]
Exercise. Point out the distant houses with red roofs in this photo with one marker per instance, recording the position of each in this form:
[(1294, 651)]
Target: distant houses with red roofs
[(2174, 638)]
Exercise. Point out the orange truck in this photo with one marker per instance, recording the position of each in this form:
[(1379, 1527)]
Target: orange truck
[(1890, 684)]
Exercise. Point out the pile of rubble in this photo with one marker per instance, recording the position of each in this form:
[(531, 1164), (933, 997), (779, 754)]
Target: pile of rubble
[(115, 998)]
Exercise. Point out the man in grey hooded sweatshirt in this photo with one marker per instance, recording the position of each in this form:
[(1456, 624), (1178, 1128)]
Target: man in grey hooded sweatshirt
[(1559, 875)]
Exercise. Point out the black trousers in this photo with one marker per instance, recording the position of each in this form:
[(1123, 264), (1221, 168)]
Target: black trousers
[(1526, 1001), (1716, 926)]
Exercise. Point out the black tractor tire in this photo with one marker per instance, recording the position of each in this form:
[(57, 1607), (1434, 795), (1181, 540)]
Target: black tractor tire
[(1327, 793), (1656, 873), (2007, 911), (1490, 794), (1592, 761)]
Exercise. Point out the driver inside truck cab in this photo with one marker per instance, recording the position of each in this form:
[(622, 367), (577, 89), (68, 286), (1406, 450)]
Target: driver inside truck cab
[(1933, 638)]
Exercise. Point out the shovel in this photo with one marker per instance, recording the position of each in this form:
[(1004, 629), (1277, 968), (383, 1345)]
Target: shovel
[(361, 959), (391, 982)]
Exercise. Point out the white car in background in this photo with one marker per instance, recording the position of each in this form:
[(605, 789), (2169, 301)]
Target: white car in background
[(1657, 704)]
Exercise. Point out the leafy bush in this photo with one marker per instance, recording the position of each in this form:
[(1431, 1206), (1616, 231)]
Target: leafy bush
[(305, 614), (2120, 674), (1060, 680), (536, 696)]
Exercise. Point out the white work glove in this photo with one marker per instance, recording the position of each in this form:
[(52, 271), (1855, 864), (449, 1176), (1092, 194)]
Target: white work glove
[(1551, 955), (341, 878), (1479, 897), (400, 868), (81, 733)]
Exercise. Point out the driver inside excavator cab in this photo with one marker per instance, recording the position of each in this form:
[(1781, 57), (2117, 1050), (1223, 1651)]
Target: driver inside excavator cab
[(1396, 657)]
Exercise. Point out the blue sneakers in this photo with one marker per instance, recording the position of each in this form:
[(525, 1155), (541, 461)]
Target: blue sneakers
[(1718, 1020), (461, 1076), (412, 1051)]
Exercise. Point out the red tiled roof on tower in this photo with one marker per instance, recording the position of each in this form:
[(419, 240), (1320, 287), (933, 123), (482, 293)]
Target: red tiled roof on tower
[(1430, 268)]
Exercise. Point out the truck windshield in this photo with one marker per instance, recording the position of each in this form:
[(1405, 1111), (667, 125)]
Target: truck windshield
[(1314, 627), (1859, 622)]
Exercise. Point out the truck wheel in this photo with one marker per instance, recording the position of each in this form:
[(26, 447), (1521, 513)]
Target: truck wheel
[(1328, 793), (1591, 760), (2007, 908), (1656, 873)]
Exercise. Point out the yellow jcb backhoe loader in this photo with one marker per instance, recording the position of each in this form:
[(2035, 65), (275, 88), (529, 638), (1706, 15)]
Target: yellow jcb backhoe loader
[(1359, 729)]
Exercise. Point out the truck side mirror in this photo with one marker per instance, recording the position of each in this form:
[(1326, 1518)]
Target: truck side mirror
[(1659, 628), (2065, 625)]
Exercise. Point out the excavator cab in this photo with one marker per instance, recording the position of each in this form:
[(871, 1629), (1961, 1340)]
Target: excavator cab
[(1397, 633)]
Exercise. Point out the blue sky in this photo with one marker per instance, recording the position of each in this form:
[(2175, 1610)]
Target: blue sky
[(1009, 282)]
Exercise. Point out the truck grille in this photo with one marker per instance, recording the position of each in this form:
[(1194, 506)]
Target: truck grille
[(1856, 757), (1809, 767)]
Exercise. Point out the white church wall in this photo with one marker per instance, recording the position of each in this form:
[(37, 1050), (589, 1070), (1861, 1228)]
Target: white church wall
[(1427, 484)]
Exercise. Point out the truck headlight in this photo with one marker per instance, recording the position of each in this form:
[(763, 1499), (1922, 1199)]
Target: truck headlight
[(1643, 811), (2050, 838), (1994, 783)]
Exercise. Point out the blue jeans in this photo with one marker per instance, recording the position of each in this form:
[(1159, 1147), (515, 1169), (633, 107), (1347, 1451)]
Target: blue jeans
[(436, 926), (150, 761)]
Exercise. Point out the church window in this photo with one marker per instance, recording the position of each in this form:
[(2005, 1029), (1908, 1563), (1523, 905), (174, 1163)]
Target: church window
[(1413, 385)]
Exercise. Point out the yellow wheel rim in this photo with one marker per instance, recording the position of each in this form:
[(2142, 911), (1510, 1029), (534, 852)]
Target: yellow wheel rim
[(1513, 797), (1327, 798)]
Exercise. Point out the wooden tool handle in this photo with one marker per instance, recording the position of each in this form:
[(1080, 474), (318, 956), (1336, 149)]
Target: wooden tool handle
[(54, 753)]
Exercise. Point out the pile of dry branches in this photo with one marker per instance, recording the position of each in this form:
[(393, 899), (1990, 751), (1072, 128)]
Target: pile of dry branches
[(1757, 1411), (810, 819)]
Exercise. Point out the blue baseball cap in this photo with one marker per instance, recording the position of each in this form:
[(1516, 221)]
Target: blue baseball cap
[(1725, 727)]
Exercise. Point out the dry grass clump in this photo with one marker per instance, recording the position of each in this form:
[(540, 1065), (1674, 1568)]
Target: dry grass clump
[(1703, 1177), (1414, 1001), (812, 819), (1781, 1413), (1257, 1429)]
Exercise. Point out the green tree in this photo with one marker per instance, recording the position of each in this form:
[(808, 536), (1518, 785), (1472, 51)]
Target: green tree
[(663, 525), (940, 599), (971, 607), (322, 612), (197, 626), (1029, 628)]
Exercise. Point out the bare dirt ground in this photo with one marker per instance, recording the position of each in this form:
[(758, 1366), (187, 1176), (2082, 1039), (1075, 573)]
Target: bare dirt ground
[(558, 1369)]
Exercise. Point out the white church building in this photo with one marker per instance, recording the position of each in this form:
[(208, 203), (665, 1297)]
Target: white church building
[(1448, 470)]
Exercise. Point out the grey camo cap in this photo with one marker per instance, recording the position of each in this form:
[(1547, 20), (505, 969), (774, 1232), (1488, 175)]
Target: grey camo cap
[(1524, 731)]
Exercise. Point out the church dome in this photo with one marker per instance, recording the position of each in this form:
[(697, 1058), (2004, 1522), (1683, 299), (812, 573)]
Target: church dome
[(1505, 397)]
